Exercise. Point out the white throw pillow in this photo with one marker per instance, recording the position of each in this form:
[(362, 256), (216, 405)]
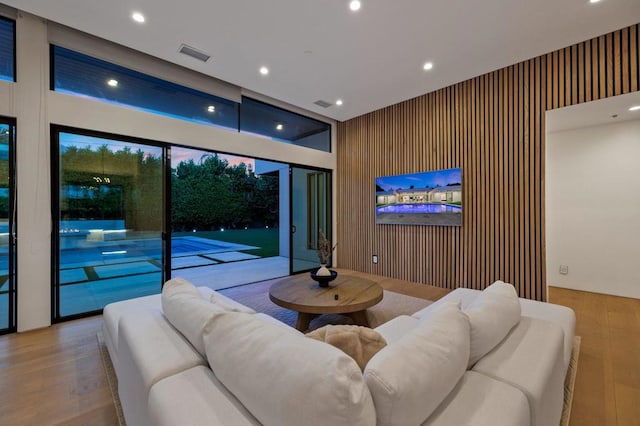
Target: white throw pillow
[(410, 377), (284, 378), (492, 315), (229, 304), (188, 311), (179, 286)]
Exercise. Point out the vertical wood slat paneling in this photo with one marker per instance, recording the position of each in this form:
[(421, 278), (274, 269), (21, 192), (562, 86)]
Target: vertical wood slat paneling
[(493, 126)]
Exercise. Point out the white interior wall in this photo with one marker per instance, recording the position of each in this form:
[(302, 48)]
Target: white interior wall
[(593, 208), (35, 108), (33, 174)]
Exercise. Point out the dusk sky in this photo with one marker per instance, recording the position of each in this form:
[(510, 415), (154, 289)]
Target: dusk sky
[(420, 180), (177, 154)]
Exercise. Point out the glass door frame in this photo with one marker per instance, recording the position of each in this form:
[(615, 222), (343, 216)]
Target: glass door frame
[(55, 210), (329, 207), (13, 242)]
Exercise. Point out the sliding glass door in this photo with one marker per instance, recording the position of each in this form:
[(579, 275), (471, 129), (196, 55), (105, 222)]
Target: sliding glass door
[(125, 219), (7, 227), (310, 215), (108, 220)]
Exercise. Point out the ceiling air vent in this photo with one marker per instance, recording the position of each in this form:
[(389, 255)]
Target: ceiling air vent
[(194, 53), (323, 104)]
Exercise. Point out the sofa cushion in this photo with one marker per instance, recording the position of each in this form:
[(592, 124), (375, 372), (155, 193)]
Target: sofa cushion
[(284, 378), (492, 314), (187, 311), (195, 397), (478, 400), (530, 358), (149, 349), (177, 286), (411, 376), (463, 295), (114, 311), (360, 343), (229, 304), (397, 327)]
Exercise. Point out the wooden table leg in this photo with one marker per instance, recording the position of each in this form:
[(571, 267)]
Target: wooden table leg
[(303, 321), (360, 318)]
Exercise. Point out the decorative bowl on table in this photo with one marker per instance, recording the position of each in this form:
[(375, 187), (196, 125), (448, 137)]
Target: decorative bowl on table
[(323, 280)]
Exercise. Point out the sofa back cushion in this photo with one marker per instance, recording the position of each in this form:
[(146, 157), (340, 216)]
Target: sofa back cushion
[(492, 314), (188, 311), (411, 376), (229, 304), (284, 378)]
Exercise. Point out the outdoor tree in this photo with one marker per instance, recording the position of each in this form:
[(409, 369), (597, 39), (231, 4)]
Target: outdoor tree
[(213, 195), (103, 184)]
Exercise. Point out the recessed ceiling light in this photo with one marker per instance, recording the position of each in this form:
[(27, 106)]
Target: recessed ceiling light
[(427, 66), (138, 17), (634, 108), (355, 5), (279, 127), (264, 70), (339, 102), (594, 1), (211, 108), (112, 83)]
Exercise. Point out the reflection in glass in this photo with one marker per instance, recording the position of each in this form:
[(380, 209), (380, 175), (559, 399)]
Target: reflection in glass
[(7, 49), (110, 222), (284, 126), (82, 75)]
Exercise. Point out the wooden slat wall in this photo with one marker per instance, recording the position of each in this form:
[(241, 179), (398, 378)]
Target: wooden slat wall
[(493, 126)]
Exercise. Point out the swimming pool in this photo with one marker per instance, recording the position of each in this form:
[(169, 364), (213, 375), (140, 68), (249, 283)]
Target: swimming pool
[(182, 245), (419, 208)]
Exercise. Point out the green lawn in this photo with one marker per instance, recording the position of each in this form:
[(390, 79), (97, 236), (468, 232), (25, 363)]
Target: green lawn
[(266, 239)]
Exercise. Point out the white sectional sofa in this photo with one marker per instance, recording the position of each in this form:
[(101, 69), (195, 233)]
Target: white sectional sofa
[(230, 366)]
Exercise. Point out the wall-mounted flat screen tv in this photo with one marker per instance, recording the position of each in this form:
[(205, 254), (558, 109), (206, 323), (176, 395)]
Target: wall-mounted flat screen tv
[(426, 198)]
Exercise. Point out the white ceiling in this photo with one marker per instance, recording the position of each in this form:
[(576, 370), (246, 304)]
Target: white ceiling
[(603, 111), (319, 49)]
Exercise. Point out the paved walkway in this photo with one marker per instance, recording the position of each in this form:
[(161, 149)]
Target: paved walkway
[(106, 287)]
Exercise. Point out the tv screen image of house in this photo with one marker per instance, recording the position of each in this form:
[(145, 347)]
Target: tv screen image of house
[(425, 198)]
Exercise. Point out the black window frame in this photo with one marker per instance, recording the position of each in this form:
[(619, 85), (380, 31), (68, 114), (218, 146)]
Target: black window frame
[(55, 131), (13, 241)]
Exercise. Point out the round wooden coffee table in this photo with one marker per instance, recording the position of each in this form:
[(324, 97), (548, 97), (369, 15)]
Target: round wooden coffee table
[(347, 295)]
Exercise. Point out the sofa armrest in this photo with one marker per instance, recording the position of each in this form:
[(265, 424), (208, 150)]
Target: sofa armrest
[(530, 358), (149, 350), (557, 314)]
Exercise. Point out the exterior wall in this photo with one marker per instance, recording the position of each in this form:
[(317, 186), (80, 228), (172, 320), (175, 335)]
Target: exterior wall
[(493, 127)]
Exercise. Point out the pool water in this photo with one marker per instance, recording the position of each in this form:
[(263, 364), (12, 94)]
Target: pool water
[(419, 208), (183, 245)]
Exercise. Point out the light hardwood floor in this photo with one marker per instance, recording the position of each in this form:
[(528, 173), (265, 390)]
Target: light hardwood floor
[(55, 376), (607, 390)]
